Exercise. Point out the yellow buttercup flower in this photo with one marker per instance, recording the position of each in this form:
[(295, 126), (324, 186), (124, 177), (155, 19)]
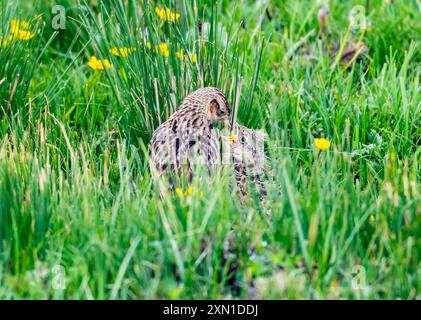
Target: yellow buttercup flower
[(114, 51), (180, 54), (16, 23), (179, 192), (123, 52), (231, 138), (24, 24), (192, 56), (189, 191), (322, 144), (18, 30), (166, 14), (97, 64), (25, 35), (163, 49)]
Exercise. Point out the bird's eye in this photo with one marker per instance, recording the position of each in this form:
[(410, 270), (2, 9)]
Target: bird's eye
[(223, 109), (243, 139)]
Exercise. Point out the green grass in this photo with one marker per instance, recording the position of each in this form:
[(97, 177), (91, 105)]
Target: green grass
[(81, 218)]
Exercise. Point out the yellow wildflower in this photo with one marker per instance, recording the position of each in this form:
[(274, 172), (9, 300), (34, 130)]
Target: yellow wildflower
[(166, 14), (24, 24), (18, 30), (163, 49), (180, 54), (16, 23), (97, 64), (179, 192), (372, 218), (231, 138), (193, 57), (322, 144), (25, 35), (123, 52), (189, 191), (114, 51)]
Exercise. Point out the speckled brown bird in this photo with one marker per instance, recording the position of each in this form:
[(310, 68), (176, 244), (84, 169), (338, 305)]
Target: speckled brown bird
[(188, 136), (248, 158)]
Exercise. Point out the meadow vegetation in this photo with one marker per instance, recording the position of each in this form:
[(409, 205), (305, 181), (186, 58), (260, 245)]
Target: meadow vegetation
[(81, 218)]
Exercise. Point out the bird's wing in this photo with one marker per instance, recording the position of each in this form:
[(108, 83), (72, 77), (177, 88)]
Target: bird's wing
[(183, 144), (163, 152)]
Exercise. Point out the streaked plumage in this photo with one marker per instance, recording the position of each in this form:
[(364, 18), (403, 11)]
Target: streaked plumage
[(248, 158), (188, 136)]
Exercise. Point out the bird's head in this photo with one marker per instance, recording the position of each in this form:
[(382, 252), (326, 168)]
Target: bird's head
[(216, 106)]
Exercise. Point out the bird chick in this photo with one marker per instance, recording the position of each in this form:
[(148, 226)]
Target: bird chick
[(246, 152)]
